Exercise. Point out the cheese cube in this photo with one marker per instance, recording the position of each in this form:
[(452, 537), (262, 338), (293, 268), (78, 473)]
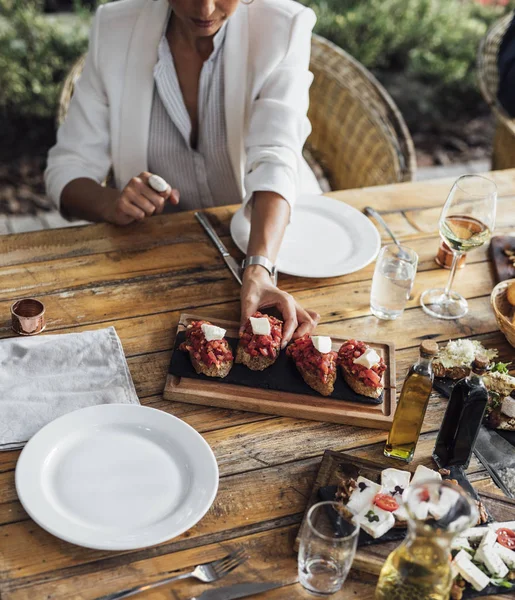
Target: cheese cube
[(424, 474), (494, 563), (368, 359), (460, 543), (260, 325), (401, 514), (505, 554), (375, 521), (363, 495), (443, 505), (395, 481), (211, 332), (474, 534), (487, 543), (508, 407), (468, 570), (322, 343)]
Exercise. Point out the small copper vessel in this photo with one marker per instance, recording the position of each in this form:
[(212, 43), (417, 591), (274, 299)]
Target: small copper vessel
[(28, 316), (445, 256)]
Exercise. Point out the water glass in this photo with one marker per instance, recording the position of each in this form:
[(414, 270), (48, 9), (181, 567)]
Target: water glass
[(328, 543), (393, 279)]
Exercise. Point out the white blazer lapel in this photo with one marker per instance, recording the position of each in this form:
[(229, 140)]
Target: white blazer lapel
[(138, 87), (235, 81)]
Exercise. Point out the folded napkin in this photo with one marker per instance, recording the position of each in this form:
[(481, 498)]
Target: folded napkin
[(42, 378)]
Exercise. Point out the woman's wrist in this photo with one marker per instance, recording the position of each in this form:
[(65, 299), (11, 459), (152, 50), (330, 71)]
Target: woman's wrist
[(256, 273)]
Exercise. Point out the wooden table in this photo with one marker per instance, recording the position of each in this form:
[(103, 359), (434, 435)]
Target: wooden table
[(139, 279)]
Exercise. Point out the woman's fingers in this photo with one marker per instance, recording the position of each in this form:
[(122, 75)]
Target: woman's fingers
[(127, 208), (137, 199), (307, 319), (174, 196), (286, 305)]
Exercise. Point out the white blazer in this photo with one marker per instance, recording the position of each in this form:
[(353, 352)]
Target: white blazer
[(267, 80)]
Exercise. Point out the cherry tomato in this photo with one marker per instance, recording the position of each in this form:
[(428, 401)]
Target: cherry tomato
[(386, 502), (506, 537)]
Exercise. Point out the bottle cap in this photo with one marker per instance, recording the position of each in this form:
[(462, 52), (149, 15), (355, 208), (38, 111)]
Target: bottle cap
[(429, 348), (480, 363)]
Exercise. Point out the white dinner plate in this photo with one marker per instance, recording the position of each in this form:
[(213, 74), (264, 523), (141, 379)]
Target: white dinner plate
[(117, 477), (326, 238)]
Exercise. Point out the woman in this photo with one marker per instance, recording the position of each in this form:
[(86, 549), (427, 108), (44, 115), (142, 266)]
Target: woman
[(211, 95)]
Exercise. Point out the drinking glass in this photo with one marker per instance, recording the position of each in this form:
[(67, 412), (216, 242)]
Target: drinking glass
[(466, 222), (393, 279), (328, 543)]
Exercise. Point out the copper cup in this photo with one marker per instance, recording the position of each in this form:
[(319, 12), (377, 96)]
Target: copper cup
[(28, 316), (445, 256)]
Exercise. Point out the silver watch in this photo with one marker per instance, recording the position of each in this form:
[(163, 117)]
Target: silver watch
[(260, 260)]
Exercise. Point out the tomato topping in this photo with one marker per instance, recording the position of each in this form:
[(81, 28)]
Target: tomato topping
[(310, 359), (386, 502), (506, 537), (353, 349), (215, 352), (265, 345), (423, 495)]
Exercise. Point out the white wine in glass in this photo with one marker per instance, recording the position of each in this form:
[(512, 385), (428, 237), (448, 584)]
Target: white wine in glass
[(466, 222)]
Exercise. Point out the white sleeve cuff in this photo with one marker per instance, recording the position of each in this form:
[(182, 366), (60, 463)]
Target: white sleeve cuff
[(269, 177)]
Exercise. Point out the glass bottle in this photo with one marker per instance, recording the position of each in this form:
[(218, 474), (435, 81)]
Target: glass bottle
[(420, 567), (463, 418), (411, 409)]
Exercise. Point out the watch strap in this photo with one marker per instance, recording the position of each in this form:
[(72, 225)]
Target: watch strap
[(259, 260)]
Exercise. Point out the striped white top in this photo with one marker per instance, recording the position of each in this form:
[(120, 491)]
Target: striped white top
[(203, 175)]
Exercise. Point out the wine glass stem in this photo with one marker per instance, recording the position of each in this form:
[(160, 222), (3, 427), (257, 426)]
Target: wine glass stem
[(455, 258)]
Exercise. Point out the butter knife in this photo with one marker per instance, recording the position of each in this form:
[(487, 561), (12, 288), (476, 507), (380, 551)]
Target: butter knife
[(239, 590), (231, 263)]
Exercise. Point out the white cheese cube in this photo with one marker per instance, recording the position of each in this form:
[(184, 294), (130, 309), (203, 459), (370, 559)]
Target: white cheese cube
[(363, 495), (487, 543), (375, 521), (505, 525), (421, 510), (211, 332), (424, 474), (505, 554), (395, 481), (368, 359), (508, 407), (260, 325), (443, 505), (460, 543), (468, 570), (494, 563), (474, 534), (322, 343)]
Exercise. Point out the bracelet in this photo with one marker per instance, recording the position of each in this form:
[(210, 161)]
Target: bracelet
[(259, 260)]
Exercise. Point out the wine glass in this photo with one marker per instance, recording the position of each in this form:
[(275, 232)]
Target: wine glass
[(466, 222)]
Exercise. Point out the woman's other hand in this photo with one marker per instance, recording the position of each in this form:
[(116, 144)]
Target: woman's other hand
[(138, 201), (258, 291)]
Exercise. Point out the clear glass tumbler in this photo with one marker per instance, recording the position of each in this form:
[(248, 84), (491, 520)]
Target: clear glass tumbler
[(393, 279), (328, 543)]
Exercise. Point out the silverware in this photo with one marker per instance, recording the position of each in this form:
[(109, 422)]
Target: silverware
[(239, 590), (498, 457), (206, 573), (371, 212), (234, 267)]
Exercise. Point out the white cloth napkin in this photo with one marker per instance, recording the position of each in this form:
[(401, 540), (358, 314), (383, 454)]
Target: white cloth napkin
[(44, 377)]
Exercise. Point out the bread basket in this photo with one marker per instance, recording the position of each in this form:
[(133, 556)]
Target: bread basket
[(504, 311)]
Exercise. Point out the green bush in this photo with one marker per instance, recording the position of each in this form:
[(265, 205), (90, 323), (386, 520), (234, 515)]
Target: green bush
[(424, 51)]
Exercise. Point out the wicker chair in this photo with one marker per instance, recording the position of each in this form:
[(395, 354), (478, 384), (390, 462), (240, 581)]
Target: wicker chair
[(359, 137), (503, 154)]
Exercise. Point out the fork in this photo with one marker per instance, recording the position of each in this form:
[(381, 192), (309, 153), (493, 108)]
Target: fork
[(208, 572)]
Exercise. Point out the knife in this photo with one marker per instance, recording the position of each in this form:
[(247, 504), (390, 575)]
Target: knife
[(239, 590), (234, 267), (497, 456)]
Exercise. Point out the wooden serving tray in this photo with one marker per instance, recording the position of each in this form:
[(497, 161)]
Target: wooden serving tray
[(216, 392), (502, 266), (370, 558)]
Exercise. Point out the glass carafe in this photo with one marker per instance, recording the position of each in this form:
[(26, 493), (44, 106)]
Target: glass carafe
[(420, 567)]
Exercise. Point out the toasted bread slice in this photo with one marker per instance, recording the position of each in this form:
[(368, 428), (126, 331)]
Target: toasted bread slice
[(254, 363), (452, 372), (221, 370), (314, 381), (359, 387)]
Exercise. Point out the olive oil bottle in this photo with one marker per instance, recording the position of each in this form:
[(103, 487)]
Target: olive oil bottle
[(411, 409)]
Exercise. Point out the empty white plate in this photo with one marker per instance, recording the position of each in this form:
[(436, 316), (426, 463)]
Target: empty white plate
[(117, 477), (326, 238)]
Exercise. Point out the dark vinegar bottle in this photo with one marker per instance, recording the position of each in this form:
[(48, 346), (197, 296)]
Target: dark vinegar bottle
[(462, 420)]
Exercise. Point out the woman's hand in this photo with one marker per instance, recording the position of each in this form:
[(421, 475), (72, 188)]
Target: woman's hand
[(138, 201), (258, 291)]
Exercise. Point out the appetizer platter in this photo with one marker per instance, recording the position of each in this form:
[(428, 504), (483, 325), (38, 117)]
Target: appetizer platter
[(483, 557), (316, 377), (502, 251)]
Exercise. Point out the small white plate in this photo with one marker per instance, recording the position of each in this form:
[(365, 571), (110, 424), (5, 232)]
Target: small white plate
[(117, 477), (326, 238)]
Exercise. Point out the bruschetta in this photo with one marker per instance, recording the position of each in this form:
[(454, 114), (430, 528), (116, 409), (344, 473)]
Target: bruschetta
[(209, 351), (316, 362), (260, 342), (362, 368)]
